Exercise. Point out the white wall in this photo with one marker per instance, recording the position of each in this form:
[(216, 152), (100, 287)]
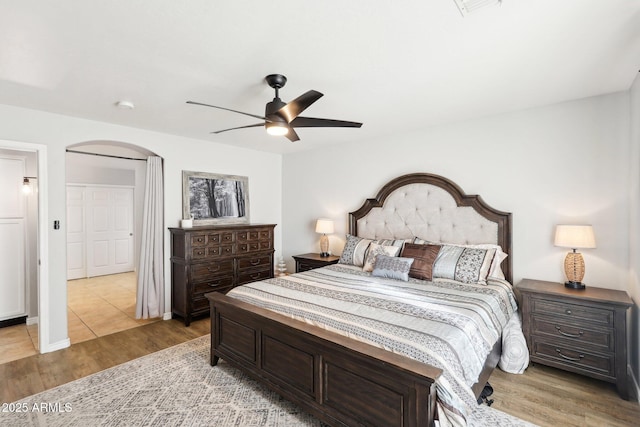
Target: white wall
[(634, 229), (57, 132), (564, 163)]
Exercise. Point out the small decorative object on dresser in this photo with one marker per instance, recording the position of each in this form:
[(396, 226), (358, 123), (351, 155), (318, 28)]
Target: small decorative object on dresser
[(216, 258), (582, 331), (310, 261)]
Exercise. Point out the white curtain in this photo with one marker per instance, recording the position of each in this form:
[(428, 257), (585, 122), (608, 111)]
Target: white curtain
[(150, 301)]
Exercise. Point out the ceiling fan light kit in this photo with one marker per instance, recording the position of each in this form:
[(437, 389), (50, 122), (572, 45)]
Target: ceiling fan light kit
[(280, 118)]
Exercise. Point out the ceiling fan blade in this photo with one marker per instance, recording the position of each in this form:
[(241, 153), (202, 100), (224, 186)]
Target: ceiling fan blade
[(228, 109), (240, 127), (292, 135), (311, 122), (290, 111)]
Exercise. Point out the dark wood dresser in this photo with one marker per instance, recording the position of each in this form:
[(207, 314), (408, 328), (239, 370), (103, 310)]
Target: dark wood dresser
[(582, 331), (216, 258)]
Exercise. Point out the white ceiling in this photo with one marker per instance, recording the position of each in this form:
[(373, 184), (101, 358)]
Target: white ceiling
[(396, 66)]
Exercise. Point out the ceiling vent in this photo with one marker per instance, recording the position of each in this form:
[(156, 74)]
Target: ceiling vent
[(469, 6)]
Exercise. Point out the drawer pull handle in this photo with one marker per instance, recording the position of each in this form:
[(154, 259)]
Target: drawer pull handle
[(213, 270), (213, 285), (255, 262), (573, 359), (256, 276), (200, 252), (578, 335), (568, 311)]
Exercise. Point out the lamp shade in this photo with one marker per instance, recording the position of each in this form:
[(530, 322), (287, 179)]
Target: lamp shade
[(324, 226), (575, 236)]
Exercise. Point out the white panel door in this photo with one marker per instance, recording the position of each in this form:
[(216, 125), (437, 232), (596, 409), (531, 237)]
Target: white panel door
[(109, 222), (11, 197), (12, 239), (76, 233), (12, 269)]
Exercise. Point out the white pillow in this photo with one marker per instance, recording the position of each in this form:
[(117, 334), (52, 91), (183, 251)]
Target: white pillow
[(375, 250)]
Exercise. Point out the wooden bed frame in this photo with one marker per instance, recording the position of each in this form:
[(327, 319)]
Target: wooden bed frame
[(341, 381)]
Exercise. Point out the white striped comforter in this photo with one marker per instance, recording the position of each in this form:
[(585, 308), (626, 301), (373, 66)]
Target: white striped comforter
[(446, 324)]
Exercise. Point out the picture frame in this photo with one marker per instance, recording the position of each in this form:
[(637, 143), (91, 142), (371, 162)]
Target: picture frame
[(211, 198)]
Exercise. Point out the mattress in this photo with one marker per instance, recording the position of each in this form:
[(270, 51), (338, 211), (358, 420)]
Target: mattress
[(444, 323)]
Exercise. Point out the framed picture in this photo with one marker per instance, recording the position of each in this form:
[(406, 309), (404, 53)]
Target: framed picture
[(211, 198)]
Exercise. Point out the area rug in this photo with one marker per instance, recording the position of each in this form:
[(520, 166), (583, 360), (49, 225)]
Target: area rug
[(176, 387)]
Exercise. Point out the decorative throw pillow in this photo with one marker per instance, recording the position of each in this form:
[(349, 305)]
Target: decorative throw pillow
[(375, 250), (467, 265), (424, 256), (392, 267), (354, 251)]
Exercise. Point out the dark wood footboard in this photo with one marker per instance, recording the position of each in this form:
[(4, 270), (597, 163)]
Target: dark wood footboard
[(341, 381)]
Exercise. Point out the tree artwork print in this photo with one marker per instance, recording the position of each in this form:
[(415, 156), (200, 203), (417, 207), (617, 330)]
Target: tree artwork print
[(216, 198)]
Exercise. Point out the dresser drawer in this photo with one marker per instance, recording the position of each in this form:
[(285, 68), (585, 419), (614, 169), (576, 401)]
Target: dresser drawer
[(259, 234), (259, 245), (576, 358), (573, 312), (259, 261), (212, 285), (212, 238), (200, 303), (254, 275), (203, 252), (208, 271), (600, 339)]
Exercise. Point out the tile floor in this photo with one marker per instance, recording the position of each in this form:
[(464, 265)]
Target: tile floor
[(95, 307)]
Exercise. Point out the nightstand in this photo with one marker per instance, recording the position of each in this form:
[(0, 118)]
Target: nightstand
[(582, 331), (310, 261)]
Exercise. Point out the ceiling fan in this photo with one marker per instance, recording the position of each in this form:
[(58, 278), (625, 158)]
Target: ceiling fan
[(280, 118)]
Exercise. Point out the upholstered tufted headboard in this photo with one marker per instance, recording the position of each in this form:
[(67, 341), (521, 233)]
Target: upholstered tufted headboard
[(435, 209)]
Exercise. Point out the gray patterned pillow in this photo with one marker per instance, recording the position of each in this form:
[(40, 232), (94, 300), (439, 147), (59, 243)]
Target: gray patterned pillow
[(467, 265), (355, 251), (392, 267)]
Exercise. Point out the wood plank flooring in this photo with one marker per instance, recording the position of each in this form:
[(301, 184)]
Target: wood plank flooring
[(543, 395)]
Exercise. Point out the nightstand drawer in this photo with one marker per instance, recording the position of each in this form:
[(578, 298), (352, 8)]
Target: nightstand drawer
[(576, 358), (573, 312), (601, 339)]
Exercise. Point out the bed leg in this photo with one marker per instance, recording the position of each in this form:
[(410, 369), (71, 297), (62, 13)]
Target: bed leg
[(484, 395)]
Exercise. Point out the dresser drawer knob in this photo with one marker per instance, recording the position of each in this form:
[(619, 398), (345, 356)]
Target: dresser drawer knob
[(573, 359), (568, 311), (578, 335), (255, 261)]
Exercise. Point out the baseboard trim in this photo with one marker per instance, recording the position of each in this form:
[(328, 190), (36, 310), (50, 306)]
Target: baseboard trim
[(167, 316), (32, 320), (56, 346)]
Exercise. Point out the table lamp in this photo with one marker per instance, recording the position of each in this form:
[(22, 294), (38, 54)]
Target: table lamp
[(574, 237), (324, 227)]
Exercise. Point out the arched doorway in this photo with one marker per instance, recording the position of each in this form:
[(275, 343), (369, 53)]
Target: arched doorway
[(105, 194)]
